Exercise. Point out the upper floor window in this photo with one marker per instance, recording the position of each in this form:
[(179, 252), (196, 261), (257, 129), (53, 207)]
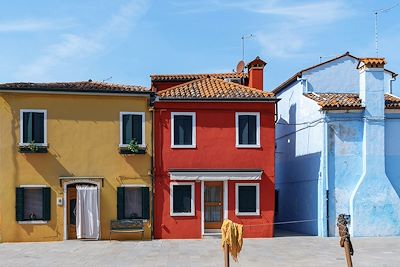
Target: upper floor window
[(183, 129), (33, 127), (247, 129), (132, 126)]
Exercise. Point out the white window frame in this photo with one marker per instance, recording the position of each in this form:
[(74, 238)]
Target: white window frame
[(21, 126), (33, 221), (171, 199), (193, 114), (121, 124), (257, 114), (257, 212)]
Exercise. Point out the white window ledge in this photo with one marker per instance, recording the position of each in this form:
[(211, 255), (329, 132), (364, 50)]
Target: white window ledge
[(33, 222)]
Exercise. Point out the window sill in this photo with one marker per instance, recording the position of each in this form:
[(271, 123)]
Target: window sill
[(248, 146), (127, 151), (182, 214), (40, 149), (247, 214), (33, 222), (183, 146)]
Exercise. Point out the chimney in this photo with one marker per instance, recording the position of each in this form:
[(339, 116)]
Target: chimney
[(374, 203), (256, 73)]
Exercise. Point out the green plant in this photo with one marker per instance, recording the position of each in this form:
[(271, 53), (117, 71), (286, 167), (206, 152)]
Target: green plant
[(134, 146), (32, 146)]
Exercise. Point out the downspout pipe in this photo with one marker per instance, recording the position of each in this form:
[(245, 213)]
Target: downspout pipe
[(325, 177)]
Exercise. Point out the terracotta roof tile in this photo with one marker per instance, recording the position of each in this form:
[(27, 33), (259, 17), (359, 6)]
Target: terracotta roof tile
[(373, 62), (191, 77), (348, 101), (84, 86), (213, 89)]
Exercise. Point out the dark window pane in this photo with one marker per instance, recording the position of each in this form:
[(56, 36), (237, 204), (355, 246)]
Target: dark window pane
[(33, 128), (131, 128), (247, 198), (183, 129), (133, 203), (247, 130), (33, 204), (182, 196)]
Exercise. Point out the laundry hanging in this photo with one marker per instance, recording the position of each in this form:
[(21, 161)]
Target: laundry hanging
[(87, 212)]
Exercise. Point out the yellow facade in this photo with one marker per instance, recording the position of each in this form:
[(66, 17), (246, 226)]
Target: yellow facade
[(83, 135)]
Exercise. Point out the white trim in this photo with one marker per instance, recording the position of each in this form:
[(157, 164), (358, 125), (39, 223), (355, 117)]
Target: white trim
[(257, 114), (171, 199), (257, 213), (226, 192), (33, 186), (21, 126), (121, 114), (215, 176), (202, 208), (33, 222), (78, 180), (193, 114), (134, 185)]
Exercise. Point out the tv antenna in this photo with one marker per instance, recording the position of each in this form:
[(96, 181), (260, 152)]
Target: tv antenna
[(107, 79), (243, 38), (376, 12)]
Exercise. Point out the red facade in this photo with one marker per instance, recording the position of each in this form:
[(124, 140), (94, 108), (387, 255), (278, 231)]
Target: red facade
[(215, 152)]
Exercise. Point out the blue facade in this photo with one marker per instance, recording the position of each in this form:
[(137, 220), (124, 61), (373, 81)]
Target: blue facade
[(338, 161)]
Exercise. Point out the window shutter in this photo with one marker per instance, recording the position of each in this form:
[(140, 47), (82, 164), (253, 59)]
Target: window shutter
[(137, 128), (120, 203), (46, 203), (27, 127), (243, 129), (38, 127), (127, 129), (187, 122), (252, 128), (19, 204), (146, 202)]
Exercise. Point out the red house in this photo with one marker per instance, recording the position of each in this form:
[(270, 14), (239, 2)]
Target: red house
[(214, 153)]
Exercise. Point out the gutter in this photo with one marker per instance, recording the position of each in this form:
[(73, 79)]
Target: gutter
[(264, 100)]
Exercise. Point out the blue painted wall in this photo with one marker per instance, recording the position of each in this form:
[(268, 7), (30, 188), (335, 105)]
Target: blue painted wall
[(319, 150)]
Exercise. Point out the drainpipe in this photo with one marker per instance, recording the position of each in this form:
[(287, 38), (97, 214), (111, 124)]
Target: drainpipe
[(391, 80), (152, 165), (325, 173)]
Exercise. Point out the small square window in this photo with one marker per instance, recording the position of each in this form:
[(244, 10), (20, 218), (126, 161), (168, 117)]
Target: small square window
[(132, 126), (33, 127), (133, 202), (182, 199), (183, 129), (33, 203), (248, 129), (247, 199)]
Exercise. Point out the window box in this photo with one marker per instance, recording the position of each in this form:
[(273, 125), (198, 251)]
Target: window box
[(32, 150), (126, 151)]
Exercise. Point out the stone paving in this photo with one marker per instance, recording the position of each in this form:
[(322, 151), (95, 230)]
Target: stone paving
[(280, 251)]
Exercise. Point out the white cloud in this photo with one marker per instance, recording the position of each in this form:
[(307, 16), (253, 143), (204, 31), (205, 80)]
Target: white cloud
[(73, 47), (33, 25)]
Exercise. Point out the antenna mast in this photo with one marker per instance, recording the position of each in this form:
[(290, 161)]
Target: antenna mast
[(243, 38), (376, 12)]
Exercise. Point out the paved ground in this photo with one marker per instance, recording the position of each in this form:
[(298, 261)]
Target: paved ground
[(281, 251)]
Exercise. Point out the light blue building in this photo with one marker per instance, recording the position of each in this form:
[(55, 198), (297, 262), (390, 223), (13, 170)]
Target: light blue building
[(338, 148)]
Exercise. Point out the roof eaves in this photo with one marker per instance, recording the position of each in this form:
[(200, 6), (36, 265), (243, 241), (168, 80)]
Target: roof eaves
[(62, 90)]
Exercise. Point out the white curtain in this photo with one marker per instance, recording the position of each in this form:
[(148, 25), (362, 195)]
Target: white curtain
[(87, 212)]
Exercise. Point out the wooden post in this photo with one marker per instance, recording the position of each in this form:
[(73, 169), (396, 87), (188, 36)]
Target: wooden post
[(226, 255), (347, 253)]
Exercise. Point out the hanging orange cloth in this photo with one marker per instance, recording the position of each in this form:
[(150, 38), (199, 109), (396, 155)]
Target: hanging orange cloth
[(232, 235)]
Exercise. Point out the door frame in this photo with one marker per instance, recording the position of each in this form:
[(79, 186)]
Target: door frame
[(79, 181), (225, 200)]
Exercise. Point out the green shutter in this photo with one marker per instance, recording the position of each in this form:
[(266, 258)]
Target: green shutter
[(120, 203), (145, 203), (19, 204), (46, 203)]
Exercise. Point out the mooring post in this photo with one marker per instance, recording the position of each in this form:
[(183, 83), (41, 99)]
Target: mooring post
[(345, 242), (226, 254)]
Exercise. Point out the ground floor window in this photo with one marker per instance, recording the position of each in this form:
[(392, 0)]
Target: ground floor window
[(33, 203), (182, 199), (247, 199), (133, 203)]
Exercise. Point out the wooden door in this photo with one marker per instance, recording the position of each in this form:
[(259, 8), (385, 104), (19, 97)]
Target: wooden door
[(213, 205), (71, 212)]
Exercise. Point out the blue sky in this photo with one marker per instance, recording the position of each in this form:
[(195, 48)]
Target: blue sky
[(75, 40)]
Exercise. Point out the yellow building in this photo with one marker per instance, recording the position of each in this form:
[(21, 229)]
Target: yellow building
[(73, 157)]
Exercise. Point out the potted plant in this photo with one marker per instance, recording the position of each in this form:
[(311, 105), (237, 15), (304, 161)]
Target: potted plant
[(132, 148), (32, 147)]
